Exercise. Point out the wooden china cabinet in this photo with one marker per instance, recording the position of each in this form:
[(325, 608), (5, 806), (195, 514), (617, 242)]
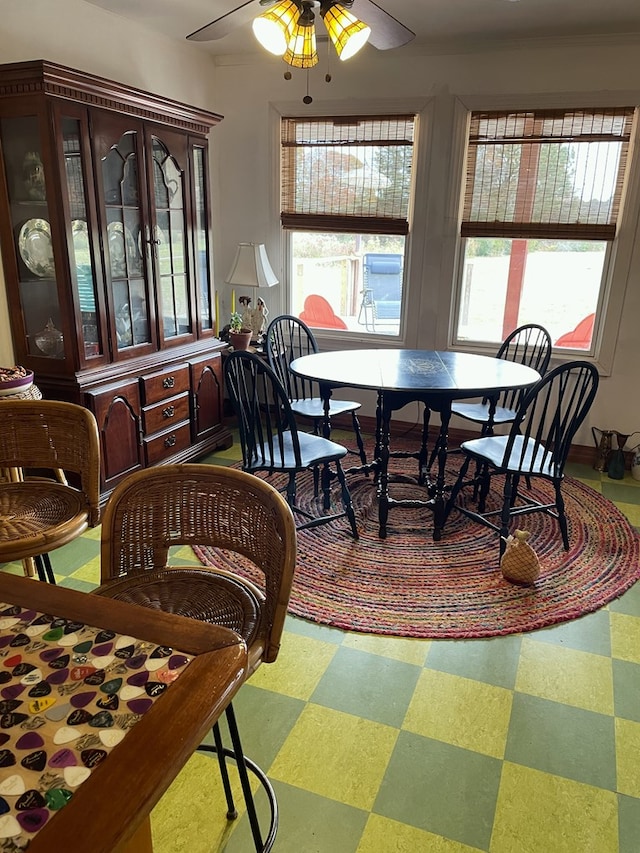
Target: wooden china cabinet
[(105, 230)]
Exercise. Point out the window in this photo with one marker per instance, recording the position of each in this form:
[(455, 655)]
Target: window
[(542, 199), (346, 185)]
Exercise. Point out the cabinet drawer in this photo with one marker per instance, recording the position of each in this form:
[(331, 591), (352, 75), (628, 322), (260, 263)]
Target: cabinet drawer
[(167, 443), (165, 383), (164, 414)]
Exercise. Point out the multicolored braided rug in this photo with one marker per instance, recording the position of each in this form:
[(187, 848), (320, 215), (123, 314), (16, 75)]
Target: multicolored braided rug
[(409, 585)]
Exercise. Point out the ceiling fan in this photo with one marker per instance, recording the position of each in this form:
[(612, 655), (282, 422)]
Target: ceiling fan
[(383, 30)]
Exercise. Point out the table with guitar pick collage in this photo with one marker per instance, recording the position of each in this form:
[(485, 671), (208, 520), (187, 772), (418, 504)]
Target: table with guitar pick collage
[(69, 693)]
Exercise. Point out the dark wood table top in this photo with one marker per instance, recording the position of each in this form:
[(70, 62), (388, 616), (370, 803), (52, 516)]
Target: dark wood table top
[(454, 375), (110, 805)]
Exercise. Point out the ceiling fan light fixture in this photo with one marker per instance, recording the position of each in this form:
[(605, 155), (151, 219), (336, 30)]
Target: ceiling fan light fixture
[(301, 50), (274, 28), (347, 33)]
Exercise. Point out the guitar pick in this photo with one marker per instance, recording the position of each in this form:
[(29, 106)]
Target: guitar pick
[(102, 649), (92, 757), (42, 704), (12, 786), (139, 706), (63, 758), (20, 640), (4, 677), (95, 678), (8, 705), (14, 660), (109, 703), (8, 622), (138, 679), (153, 664), (65, 734), (111, 686), (34, 630), (35, 760), (12, 691), (167, 676), (68, 640), (111, 737), (81, 700), (30, 741), (40, 689), (59, 662), (22, 669), (31, 799), (73, 627), (126, 652), (178, 661), (102, 662), (129, 691), (104, 636), (8, 721), (7, 758), (9, 826), (58, 676), (78, 673), (75, 776), (50, 654), (78, 717), (83, 647), (155, 688), (136, 661), (58, 712), (161, 652), (57, 798), (52, 635), (33, 820), (123, 641), (4, 806), (33, 677), (101, 720)]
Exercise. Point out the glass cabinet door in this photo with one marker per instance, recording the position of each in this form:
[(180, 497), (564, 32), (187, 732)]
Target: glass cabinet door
[(169, 242), (201, 237), (81, 255), (31, 223), (124, 243)]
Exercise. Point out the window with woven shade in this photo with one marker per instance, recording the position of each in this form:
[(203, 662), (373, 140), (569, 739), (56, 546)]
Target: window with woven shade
[(345, 204), (542, 199)]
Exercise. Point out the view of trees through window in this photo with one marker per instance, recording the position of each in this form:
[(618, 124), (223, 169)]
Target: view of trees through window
[(542, 196)]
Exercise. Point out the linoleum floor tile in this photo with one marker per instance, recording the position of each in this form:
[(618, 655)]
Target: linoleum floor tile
[(628, 757), (628, 823), (566, 675), (371, 686), (336, 755), (441, 789), (382, 835), (541, 813), (469, 714), (562, 740), (626, 690), (625, 636), (405, 649), (494, 661), (590, 633), (300, 665), (628, 603)]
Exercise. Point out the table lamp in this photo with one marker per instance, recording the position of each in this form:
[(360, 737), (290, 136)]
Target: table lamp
[(251, 268)]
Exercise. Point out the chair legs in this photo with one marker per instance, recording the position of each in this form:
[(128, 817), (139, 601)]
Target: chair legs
[(244, 765), (44, 568), (358, 434)]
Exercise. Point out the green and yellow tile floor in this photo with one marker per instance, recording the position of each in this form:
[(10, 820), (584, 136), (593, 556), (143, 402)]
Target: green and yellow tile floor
[(518, 744)]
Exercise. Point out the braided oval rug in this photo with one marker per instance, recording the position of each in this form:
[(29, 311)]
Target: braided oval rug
[(409, 585)]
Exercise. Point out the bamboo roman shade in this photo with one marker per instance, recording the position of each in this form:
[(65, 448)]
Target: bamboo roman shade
[(555, 174), (347, 174)]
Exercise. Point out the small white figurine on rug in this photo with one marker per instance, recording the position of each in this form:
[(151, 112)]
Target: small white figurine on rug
[(519, 563)]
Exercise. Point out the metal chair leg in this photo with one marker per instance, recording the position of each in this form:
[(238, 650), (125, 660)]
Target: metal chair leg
[(244, 765)]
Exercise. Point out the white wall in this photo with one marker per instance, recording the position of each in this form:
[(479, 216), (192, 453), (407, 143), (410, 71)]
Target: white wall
[(250, 90)]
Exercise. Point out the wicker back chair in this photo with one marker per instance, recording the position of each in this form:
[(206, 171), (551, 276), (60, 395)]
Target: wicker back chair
[(40, 514), (207, 505)]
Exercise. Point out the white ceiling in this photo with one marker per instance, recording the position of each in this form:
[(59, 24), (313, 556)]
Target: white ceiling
[(437, 23)]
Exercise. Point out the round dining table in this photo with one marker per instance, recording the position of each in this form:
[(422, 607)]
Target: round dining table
[(401, 376)]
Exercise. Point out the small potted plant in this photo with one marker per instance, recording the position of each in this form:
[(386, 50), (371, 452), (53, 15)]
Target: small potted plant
[(239, 336)]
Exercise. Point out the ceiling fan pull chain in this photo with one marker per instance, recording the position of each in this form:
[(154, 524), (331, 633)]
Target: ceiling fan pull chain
[(307, 98)]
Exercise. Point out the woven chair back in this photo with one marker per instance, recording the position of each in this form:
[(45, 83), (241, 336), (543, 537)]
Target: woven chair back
[(56, 436), (207, 505)]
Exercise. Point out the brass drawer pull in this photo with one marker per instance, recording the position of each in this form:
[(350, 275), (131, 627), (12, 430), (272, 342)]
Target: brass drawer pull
[(170, 441), (169, 382), (169, 412)]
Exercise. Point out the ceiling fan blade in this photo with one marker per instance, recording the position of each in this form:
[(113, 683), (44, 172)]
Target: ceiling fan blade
[(386, 31), (227, 23)]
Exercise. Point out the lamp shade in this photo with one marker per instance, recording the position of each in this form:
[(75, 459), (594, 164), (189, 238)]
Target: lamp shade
[(301, 50), (274, 27), (347, 33), (251, 267)]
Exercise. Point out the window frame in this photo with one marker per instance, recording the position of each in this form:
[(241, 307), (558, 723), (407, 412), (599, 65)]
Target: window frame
[(615, 276), (422, 109)]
